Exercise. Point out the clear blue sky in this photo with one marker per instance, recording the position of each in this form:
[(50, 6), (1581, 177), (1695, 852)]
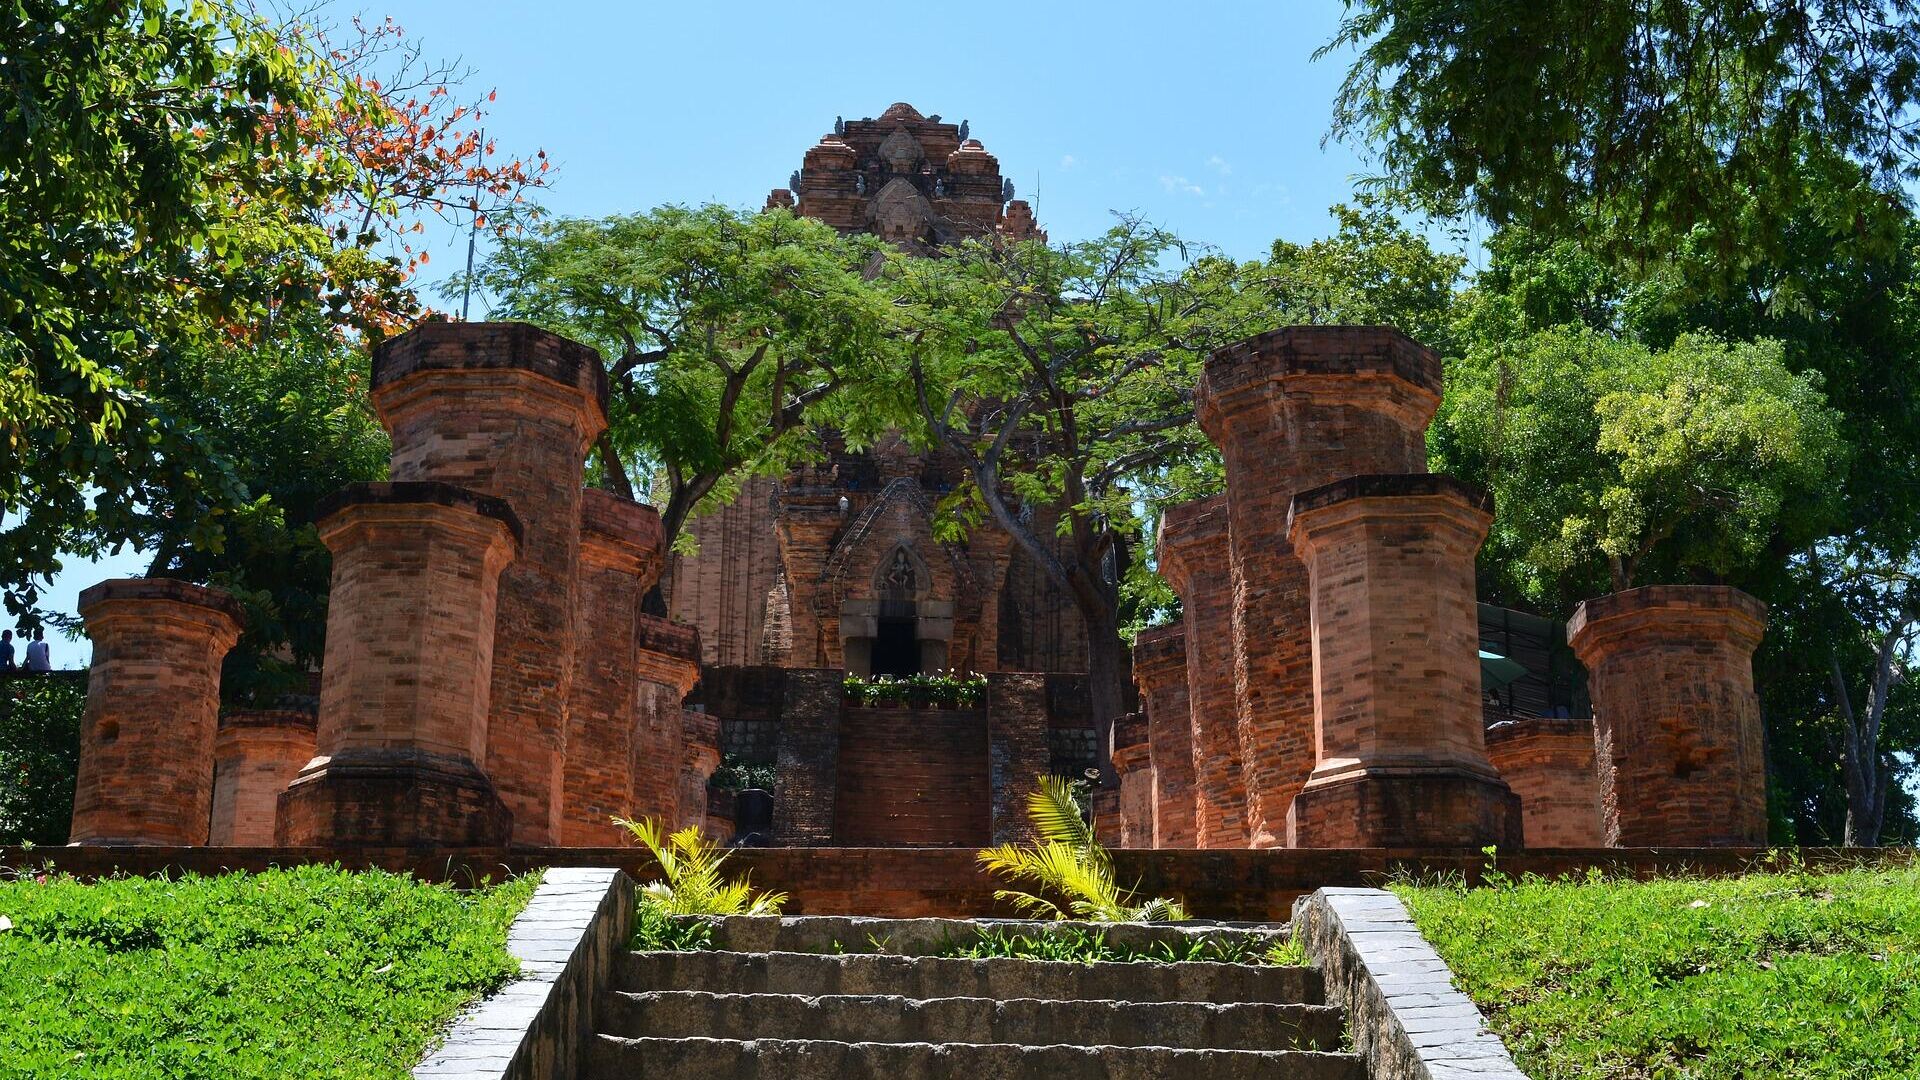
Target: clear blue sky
[(1206, 117)]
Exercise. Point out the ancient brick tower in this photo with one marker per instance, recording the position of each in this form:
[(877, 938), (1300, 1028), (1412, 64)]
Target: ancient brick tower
[(836, 565)]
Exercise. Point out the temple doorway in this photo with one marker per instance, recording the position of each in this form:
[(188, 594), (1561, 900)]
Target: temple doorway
[(896, 648)]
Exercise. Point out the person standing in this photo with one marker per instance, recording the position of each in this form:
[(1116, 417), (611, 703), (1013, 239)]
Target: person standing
[(6, 650), (38, 658)]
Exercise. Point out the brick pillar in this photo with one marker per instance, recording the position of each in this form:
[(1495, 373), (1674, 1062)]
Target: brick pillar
[(666, 661), (409, 658), (1017, 751), (620, 559), (1132, 759), (699, 760), (1548, 762), (153, 700), (1402, 757), (1160, 671), (1292, 409), (1679, 742), (256, 754), (807, 766), (509, 410), (1194, 558)]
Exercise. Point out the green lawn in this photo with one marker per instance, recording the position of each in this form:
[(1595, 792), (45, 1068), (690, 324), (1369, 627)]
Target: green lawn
[(1813, 975), (312, 972)]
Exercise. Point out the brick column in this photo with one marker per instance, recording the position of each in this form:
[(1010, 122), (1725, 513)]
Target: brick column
[(699, 760), (1290, 410), (153, 700), (1679, 742), (1017, 751), (666, 662), (620, 559), (256, 754), (1194, 558), (509, 410), (1160, 671), (409, 658), (1402, 758), (1132, 759), (1548, 762), (807, 767)]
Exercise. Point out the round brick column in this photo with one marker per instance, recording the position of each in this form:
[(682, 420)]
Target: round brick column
[(700, 738), (256, 754), (666, 663), (1160, 671), (1678, 737), (620, 558), (1194, 558), (509, 410), (1548, 762), (1132, 759), (1290, 410), (153, 701), (403, 690), (1401, 749)]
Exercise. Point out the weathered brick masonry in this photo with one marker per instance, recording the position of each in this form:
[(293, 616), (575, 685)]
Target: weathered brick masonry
[(402, 732), (153, 701), (256, 754), (1548, 762), (1402, 756), (666, 664), (1134, 809), (1681, 750), (1160, 671), (1194, 557), (1292, 409), (509, 410)]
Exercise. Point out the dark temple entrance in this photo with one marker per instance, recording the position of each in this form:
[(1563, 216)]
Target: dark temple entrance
[(895, 649)]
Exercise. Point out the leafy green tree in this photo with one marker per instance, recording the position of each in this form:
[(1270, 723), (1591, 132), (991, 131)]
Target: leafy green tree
[(1695, 129), (724, 332), (1372, 271), (1063, 377)]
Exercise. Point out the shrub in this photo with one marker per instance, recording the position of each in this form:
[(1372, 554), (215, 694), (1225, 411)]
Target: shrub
[(1069, 862), (948, 689), (690, 882), (39, 755)]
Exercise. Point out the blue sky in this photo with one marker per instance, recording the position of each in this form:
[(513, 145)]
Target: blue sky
[(1206, 117)]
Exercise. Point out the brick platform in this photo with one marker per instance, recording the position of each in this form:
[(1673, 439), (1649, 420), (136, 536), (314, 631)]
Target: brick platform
[(1396, 669), (1681, 750), (256, 754), (1292, 409), (1548, 762), (1160, 671), (153, 701), (620, 559), (403, 690), (508, 410), (1194, 558)]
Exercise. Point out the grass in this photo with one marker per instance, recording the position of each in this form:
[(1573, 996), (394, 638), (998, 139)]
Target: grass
[(1077, 946), (311, 972), (1788, 975)]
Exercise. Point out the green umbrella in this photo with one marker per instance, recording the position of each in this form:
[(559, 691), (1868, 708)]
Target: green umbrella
[(1499, 670)]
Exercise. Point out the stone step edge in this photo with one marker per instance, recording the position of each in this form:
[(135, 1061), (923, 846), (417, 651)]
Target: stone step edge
[(1325, 1065), (846, 934)]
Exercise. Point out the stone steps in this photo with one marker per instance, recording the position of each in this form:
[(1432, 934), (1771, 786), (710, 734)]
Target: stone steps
[(611, 1058), (782, 998), (1193, 1025)]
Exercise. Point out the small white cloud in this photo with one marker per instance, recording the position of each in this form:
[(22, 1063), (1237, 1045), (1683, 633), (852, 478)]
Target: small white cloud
[(1069, 161), (1219, 164), (1180, 185)]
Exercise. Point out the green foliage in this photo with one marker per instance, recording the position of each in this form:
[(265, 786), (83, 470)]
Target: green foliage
[(691, 883), (1076, 945), (39, 755), (951, 689), (1698, 131), (741, 775), (309, 972), (1602, 451), (725, 332), (656, 931), (1372, 271), (1794, 975), (1070, 863)]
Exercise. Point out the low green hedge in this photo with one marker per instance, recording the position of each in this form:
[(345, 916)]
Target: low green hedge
[(312, 972), (1795, 975)]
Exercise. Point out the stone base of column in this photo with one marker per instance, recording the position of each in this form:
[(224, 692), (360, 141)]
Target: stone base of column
[(415, 800), (1405, 809)]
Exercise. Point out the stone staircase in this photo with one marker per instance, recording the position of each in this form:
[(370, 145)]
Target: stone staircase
[(866, 999)]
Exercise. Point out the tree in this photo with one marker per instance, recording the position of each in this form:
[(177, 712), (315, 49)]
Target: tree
[(1678, 463), (1660, 129), (1372, 271), (724, 333), (1064, 377)]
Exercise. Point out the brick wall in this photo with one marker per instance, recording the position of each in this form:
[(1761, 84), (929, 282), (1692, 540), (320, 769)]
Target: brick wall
[(1548, 762), (1194, 557), (912, 777), (1134, 801), (256, 754), (1160, 670)]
